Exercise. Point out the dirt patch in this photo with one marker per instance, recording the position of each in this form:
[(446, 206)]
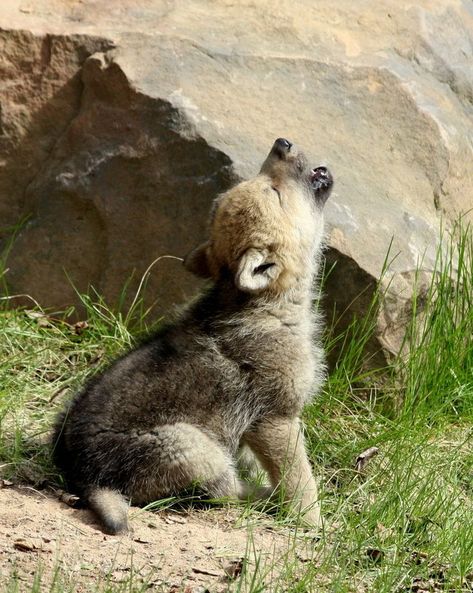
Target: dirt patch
[(166, 551)]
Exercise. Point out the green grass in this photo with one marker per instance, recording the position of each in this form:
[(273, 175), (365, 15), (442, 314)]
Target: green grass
[(437, 375), (405, 523), (44, 357)]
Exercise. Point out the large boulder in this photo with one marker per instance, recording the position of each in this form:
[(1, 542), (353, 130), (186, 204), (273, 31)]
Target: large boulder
[(120, 122)]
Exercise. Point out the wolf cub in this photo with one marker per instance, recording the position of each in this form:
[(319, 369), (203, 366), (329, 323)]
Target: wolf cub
[(233, 371)]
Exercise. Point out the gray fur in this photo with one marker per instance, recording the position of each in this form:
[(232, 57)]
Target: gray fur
[(110, 506), (234, 370)]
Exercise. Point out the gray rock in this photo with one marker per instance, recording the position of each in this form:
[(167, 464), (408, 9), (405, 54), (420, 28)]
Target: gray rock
[(119, 127)]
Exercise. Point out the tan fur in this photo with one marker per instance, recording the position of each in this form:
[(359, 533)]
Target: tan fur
[(279, 445), (233, 371)]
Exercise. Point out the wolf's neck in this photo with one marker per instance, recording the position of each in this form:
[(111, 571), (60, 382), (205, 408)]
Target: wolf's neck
[(223, 303)]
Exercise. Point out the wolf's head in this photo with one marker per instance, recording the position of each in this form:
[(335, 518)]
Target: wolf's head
[(267, 231)]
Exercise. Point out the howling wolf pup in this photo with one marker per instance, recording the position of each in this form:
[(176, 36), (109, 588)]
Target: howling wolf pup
[(233, 371)]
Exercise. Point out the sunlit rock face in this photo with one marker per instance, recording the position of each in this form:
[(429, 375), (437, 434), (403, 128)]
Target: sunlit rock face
[(120, 122)]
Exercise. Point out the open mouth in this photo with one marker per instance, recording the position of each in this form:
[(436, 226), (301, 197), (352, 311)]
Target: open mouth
[(321, 181)]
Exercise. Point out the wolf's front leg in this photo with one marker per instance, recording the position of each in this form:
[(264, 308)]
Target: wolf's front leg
[(279, 445)]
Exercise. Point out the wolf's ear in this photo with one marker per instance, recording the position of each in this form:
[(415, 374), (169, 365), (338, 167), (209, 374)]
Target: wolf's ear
[(256, 270), (197, 261)]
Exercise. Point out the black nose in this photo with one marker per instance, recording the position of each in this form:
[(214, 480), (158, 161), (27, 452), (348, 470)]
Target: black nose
[(284, 144)]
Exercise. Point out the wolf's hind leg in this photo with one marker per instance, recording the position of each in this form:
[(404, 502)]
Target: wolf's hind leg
[(178, 456)]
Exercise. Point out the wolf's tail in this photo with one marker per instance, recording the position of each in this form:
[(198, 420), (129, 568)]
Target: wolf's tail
[(111, 508)]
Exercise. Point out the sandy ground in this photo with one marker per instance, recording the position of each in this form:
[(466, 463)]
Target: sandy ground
[(172, 551)]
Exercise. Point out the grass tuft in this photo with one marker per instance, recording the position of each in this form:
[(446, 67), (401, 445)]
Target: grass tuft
[(403, 523), (437, 377)]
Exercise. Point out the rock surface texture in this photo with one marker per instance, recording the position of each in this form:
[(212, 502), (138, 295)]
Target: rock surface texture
[(121, 120)]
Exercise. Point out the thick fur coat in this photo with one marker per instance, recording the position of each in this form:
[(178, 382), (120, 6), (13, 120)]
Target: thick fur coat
[(234, 370)]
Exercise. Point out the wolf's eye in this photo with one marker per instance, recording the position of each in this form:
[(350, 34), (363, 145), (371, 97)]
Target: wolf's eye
[(277, 191)]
